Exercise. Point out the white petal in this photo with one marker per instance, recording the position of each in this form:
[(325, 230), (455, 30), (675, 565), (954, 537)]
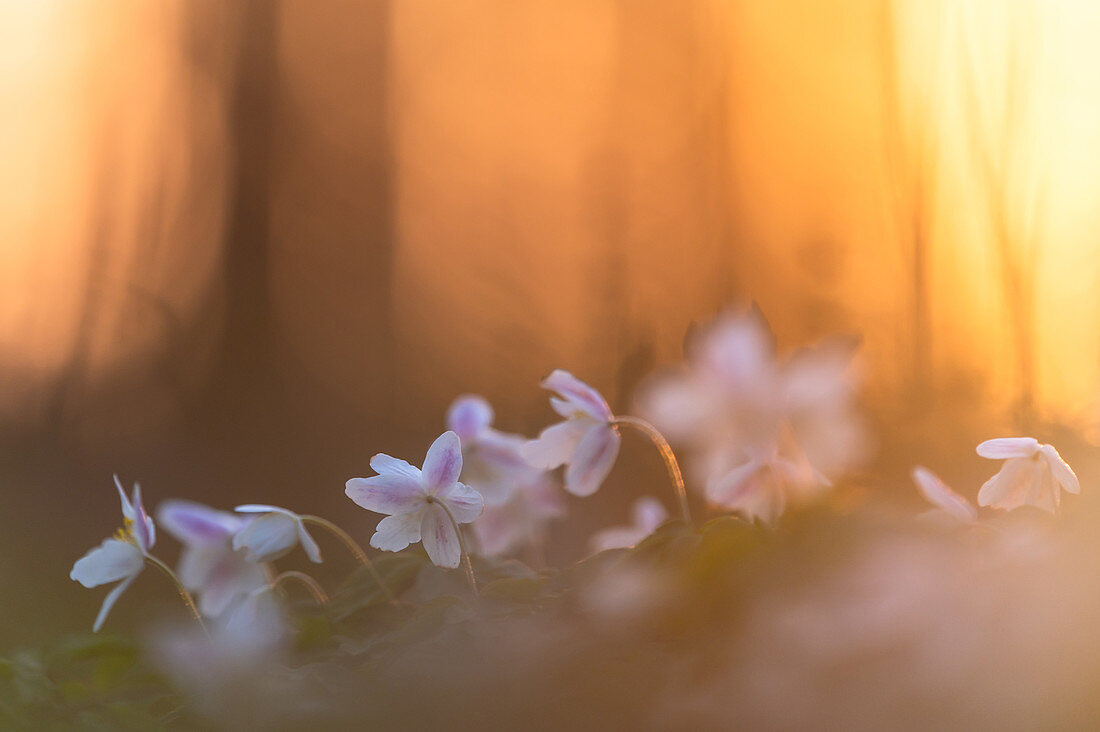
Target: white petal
[(469, 416), (308, 544), (439, 537), (264, 508), (194, 523), (724, 489), (465, 503), (1062, 472), (443, 463), (939, 494), (230, 577), (145, 531), (583, 396), (388, 493), (385, 465), (127, 507), (555, 444), (197, 564), (592, 460), (267, 537), (1008, 488), (110, 561), (1003, 448), (394, 533), (110, 600)]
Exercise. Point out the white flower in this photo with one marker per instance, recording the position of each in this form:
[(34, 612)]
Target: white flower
[(646, 515), (209, 566), (523, 519), (417, 501), (1033, 475), (948, 503), (739, 407), (762, 487), (273, 534), (119, 558), (586, 442)]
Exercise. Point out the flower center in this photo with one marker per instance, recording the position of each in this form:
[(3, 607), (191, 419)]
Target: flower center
[(126, 532)]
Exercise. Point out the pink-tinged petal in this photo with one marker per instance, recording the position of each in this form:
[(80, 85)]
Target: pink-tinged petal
[(502, 450), (127, 507), (145, 531), (197, 564), (556, 444), (1003, 448), (940, 495), (394, 533), (469, 416), (1044, 494), (681, 404), (110, 600), (109, 562), (194, 523), (1063, 474), (1009, 487), (443, 463), (383, 464), (648, 513), (592, 461), (740, 348), (464, 502), (267, 537), (725, 489), (309, 546), (439, 537), (583, 396), (389, 493)]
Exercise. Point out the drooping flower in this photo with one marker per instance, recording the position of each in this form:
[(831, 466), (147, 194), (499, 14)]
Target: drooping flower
[(1033, 474), (646, 515), (948, 503), (420, 503), (586, 442), (762, 430), (520, 499), (763, 486), (121, 558), (209, 566), (273, 533), (522, 520)]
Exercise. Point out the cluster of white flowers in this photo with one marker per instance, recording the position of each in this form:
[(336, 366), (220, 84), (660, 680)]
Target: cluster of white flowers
[(765, 433)]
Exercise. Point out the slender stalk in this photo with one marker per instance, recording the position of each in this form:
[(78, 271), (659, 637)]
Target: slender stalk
[(356, 551), (666, 454), (311, 584), (462, 547), (184, 594)]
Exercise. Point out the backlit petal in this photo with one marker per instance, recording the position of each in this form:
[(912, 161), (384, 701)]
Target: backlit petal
[(1003, 448), (388, 493), (308, 544), (1062, 472), (394, 533), (556, 444), (110, 600), (127, 507), (465, 503), (592, 460), (583, 396), (385, 465), (443, 463), (939, 494), (1008, 488), (439, 537), (468, 416), (110, 561), (194, 523), (267, 537)]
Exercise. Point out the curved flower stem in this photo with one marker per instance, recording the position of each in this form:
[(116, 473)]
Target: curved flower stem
[(462, 546), (311, 584), (666, 454), (184, 594), (356, 551)]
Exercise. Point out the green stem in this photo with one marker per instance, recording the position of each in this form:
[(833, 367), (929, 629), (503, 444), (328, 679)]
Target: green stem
[(311, 584), (184, 594), (666, 454), (462, 547), (356, 551)]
